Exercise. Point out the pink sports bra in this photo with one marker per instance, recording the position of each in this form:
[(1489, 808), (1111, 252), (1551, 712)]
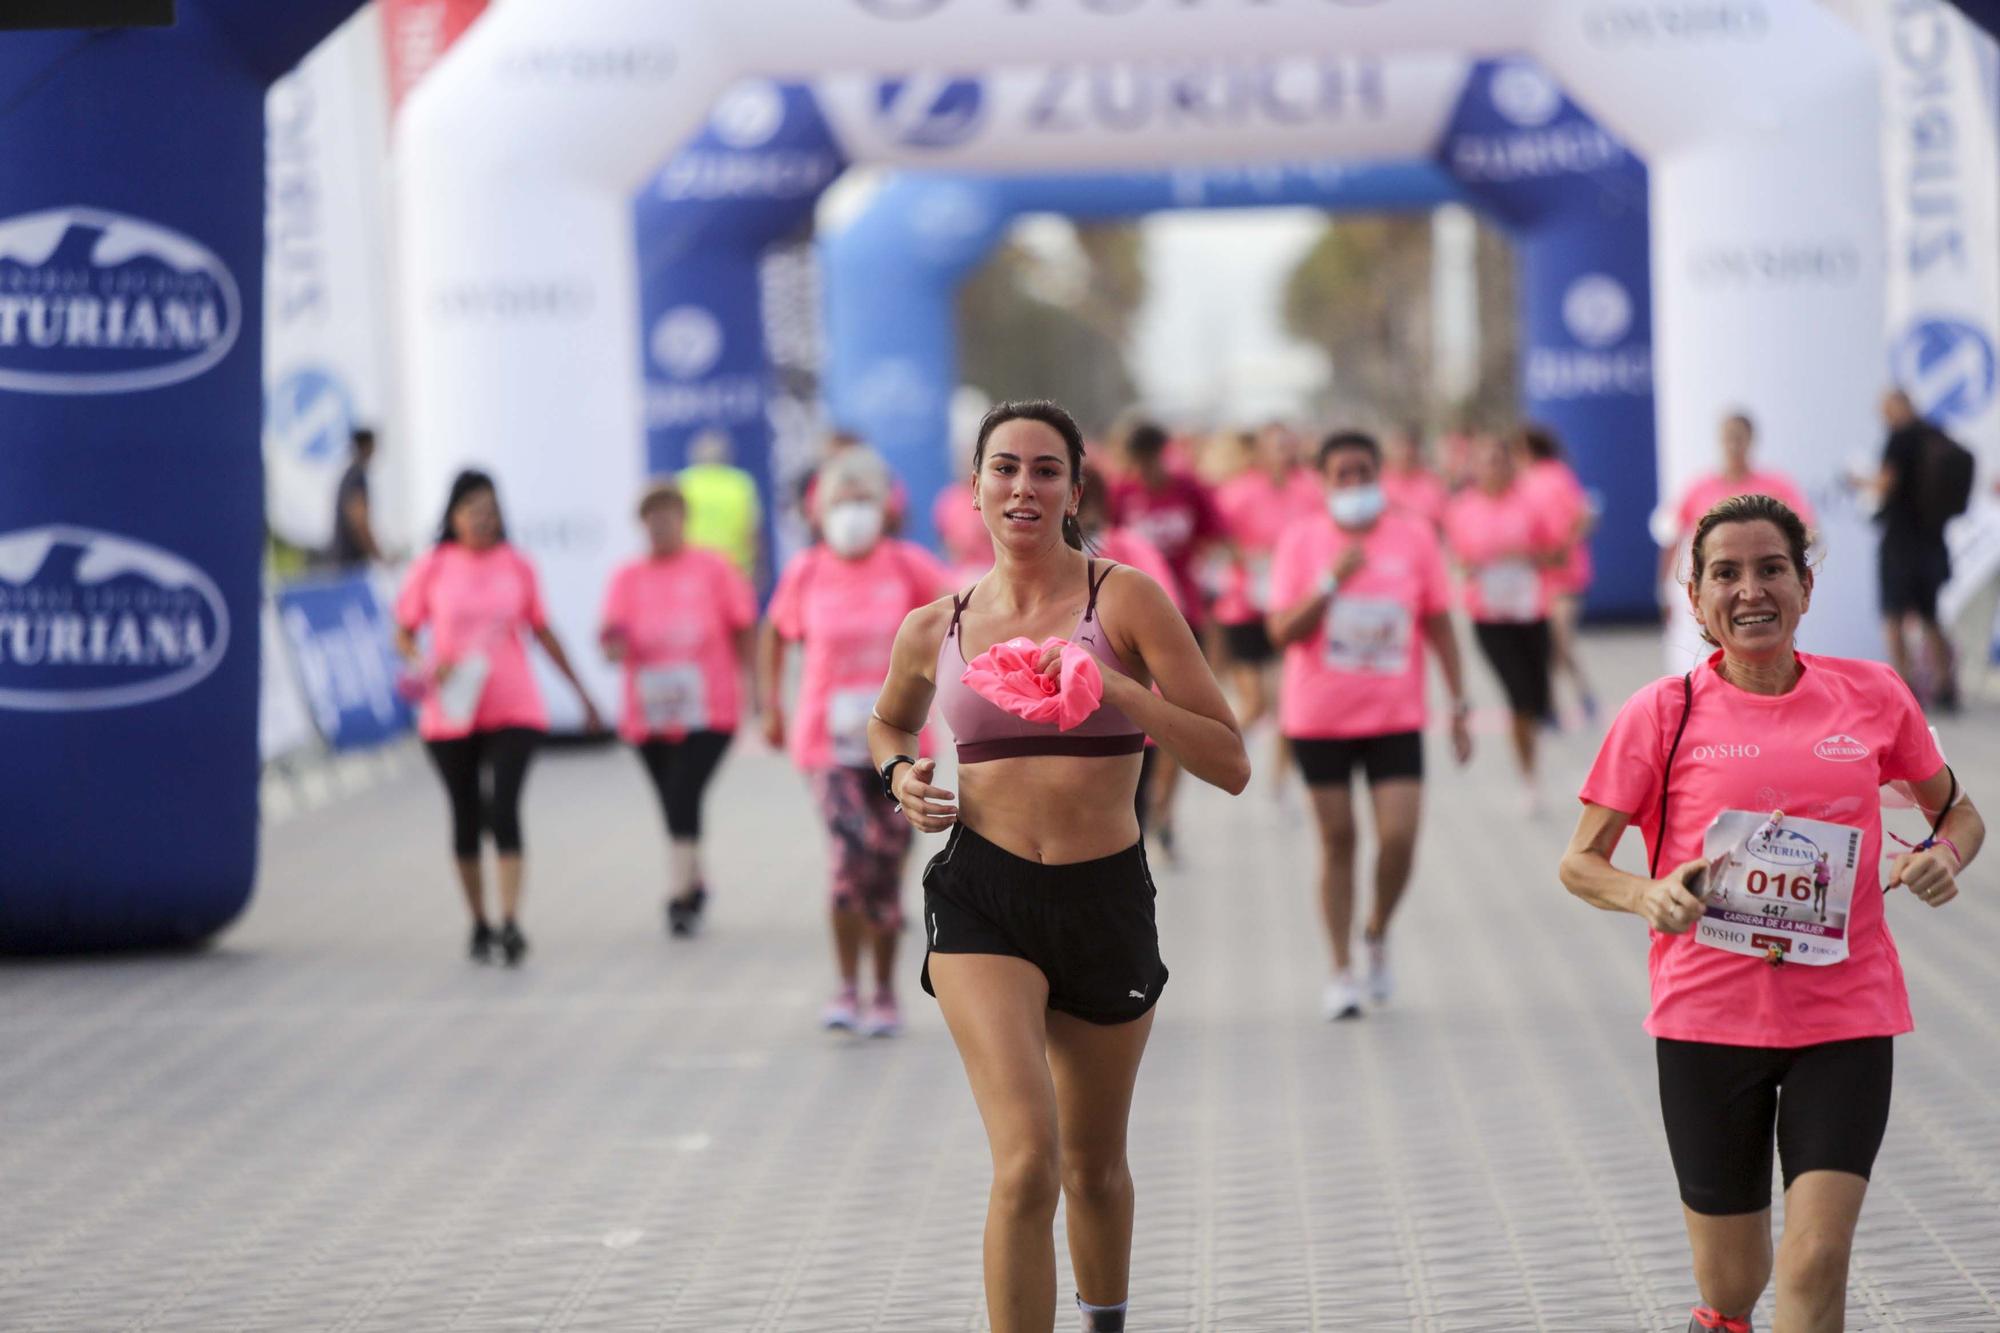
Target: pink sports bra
[(984, 730)]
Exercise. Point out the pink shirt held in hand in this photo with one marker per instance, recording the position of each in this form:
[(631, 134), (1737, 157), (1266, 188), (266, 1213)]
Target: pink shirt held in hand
[(1498, 538), (479, 606), (678, 617), (1255, 513), (1008, 675), (1559, 494), (1362, 672), (846, 613), (1821, 752)]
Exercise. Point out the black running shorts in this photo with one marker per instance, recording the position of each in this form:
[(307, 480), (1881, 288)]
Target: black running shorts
[(1828, 1106), (1520, 655), (1400, 754), (1087, 925), (1249, 643)]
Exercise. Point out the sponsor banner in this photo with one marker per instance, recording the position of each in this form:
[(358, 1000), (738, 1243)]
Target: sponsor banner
[(284, 722), (342, 646)]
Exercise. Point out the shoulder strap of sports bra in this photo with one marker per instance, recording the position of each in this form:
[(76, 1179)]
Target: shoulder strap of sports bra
[(1096, 583), (958, 605), (1687, 707)]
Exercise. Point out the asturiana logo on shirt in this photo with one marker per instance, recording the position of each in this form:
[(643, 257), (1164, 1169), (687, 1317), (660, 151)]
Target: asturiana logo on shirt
[(1841, 748)]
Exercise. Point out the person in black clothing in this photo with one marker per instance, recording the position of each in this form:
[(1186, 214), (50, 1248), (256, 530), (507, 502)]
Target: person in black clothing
[(1914, 561), (354, 543)]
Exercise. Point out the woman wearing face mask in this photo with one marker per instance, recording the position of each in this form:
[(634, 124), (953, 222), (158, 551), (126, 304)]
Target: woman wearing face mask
[(1774, 998), (479, 598), (842, 601), (1043, 952), (680, 621), (1504, 540), (1358, 593)]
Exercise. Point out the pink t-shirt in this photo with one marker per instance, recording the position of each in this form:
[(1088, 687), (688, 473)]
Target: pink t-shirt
[(1497, 538), (479, 605), (1362, 672), (1557, 490), (1417, 491), (1822, 751), (1255, 512), (1178, 518), (847, 612), (679, 616), (1707, 492), (1129, 548)]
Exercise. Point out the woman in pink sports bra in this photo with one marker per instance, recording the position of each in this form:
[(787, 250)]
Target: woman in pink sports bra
[(1038, 913)]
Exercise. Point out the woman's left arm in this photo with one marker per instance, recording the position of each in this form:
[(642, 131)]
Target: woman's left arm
[(1933, 874), (1189, 717)]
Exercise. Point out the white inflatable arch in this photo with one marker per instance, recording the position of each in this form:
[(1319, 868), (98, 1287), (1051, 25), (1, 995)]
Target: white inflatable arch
[(517, 160)]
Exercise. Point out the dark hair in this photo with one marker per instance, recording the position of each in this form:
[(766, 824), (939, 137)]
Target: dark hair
[(361, 437), (465, 485), (1349, 439), (1057, 420), (1541, 442), (1146, 440), (1742, 417), (1749, 509)]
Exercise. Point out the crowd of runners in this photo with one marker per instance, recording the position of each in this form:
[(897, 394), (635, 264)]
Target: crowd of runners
[(1107, 616)]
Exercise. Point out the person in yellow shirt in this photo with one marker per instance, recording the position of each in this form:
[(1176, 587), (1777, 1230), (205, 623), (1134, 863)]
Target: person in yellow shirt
[(723, 513)]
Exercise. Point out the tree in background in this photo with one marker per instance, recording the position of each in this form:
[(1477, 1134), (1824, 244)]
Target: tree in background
[(1362, 294), (1031, 329)]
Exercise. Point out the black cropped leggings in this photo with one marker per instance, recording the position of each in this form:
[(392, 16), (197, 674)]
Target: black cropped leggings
[(506, 752), (680, 771)]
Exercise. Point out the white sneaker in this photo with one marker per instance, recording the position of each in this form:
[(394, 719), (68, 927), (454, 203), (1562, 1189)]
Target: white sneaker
[(1381, 982), (1342, 998), (842, 1013)]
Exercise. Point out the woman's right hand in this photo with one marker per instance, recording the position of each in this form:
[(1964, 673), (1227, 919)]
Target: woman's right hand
[(928, 808), (1667, 905)]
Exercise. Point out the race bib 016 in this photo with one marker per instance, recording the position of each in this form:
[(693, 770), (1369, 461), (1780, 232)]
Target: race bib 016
[(1777, 882)]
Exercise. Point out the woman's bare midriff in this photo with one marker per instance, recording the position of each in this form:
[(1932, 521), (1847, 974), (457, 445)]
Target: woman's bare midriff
[(1055, 809)]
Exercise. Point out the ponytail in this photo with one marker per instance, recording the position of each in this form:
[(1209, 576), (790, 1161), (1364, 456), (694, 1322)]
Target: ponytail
[(1072, 532)]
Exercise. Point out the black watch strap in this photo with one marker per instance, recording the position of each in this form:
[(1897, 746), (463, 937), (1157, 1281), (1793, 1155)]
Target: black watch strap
[(888, 772)]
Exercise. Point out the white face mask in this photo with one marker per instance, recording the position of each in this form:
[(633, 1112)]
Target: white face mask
[(852, 526), (1356, 506)]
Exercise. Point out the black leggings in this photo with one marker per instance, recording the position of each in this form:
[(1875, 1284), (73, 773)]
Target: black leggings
[(680, 771), (506, 752)]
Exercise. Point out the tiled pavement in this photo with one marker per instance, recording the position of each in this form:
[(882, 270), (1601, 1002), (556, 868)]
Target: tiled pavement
[(331, 1121)]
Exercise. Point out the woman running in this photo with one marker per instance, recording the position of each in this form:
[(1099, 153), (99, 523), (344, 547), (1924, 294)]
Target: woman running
[(481, 713), (1548, 477), (842, 601), (1772, 1020), (1039, 911), (680, 620)]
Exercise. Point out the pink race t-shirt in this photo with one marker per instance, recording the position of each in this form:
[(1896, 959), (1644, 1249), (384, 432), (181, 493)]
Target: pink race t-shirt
[(846, 613), (679, 617), (1361, 673), (1821, 751), (1497, 538), (479, 606), (1417, 491), (1255, 511), (1556, 490), (1707, 492)]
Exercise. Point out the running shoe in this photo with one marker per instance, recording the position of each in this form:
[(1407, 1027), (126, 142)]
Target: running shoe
[(1342, 998), (843, 1012), (684, 913), (513, 944), (883, 1018), (1381, 982), (1705, 1320), (483, 940)]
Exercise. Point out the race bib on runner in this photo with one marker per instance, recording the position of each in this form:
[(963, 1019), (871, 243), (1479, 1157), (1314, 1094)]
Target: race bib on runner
[(1785, 883), (1510, 589), (672, 697), (847, 713), (458, 698), (1368, 636)]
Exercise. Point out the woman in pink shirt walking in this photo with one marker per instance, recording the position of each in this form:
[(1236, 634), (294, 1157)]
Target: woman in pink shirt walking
[(480, 601), (842, 601), (1776, 986), (680, 621)]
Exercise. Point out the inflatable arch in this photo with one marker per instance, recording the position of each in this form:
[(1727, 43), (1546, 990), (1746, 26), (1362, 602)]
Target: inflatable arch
[(131, 484), (1757, 122)]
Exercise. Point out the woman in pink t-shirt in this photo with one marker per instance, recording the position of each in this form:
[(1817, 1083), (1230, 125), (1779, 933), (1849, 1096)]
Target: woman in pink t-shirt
[(1503, 540), (1550, 479), (1257, 504), (1673, 526), (679, 620), (1776, 987), (480, 600), (1408, 482), (842, 602)]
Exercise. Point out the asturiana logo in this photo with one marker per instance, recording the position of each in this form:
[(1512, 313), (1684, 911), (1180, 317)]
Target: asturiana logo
[(91, 619), (98, 302), (1841, 748)]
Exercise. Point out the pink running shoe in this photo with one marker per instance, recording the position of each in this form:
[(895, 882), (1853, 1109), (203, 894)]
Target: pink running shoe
[(883, 1019), (843, 1012), (1705, 1320)]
